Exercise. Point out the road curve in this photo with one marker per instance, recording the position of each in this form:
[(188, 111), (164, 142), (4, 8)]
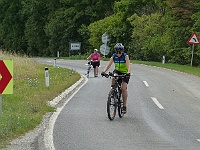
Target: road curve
[(163, 113)]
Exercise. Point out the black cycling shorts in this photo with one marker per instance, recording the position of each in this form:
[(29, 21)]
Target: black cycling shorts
[(94, 64), (125, 79)]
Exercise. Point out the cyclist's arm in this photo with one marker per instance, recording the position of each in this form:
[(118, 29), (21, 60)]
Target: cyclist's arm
[(89, 57), (108, 65), (128, 64)]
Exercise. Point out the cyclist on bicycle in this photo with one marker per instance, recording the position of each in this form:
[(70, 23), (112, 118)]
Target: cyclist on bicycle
[(122, 67), (95, 61)]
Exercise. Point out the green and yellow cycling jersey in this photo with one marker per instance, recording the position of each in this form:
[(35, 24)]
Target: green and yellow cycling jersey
[(120, 63)]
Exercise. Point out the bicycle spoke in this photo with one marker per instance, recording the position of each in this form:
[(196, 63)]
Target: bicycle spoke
[(111, 106), (120, 105)]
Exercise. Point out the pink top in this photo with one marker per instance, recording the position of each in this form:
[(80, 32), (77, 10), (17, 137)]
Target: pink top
[(95, 57)]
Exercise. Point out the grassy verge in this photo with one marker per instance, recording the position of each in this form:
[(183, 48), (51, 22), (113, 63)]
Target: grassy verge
[(182, 68), (23, 110)]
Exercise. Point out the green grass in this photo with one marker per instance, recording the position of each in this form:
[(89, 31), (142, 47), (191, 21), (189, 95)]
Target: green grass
[(182, 68), (23, 110)]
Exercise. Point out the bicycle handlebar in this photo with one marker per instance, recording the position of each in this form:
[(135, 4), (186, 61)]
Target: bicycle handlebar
[(110, 74)]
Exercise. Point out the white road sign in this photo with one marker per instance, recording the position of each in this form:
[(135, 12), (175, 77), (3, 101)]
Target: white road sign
[(75, 46), (105, 38), (104, 49)]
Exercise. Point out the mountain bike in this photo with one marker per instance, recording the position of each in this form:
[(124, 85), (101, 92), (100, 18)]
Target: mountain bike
[(89, 68), (114, 101)]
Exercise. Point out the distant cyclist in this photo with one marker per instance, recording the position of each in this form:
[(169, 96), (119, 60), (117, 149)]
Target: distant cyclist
[(96, 61), (122, 66)]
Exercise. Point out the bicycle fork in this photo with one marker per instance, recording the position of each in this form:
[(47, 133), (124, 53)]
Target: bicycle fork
[(119, 94)]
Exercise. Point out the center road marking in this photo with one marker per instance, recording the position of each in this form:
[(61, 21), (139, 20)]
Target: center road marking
[(157, 103), (145, 82)]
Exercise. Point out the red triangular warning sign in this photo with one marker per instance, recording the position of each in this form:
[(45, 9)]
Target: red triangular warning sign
[(193, 39)]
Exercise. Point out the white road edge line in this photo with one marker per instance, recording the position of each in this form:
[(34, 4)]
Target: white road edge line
[(198, 140), (145, 82), (157, 103), (48, 135)]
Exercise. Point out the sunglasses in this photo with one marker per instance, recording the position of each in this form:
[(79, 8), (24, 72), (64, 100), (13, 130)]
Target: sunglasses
[(118, 52)]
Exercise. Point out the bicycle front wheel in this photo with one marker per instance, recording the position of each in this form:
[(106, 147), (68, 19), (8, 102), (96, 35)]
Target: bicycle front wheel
[(120, 105), (88, 73), (111, 105)]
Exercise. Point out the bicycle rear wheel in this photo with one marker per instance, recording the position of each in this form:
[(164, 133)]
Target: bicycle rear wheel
[(111, 105)]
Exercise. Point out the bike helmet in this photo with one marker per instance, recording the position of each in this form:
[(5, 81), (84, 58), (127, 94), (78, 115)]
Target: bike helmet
[(119, 47), (95, 50)]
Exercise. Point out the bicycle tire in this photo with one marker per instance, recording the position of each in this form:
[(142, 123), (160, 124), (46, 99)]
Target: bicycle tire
[(111, 105), (120, 105), (88, 73), (120, 113)]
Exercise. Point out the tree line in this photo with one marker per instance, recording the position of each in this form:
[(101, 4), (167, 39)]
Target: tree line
[(149, 29)]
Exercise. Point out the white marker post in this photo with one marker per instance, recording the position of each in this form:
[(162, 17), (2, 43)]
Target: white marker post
[(163, 60), (58, 54), (47, 76), (54, 64)]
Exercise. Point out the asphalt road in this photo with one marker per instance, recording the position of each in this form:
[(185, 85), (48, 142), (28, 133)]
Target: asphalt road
[(163, 112)]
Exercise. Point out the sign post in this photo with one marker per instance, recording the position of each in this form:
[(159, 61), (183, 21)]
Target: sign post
[(192, 55), (193, 40)]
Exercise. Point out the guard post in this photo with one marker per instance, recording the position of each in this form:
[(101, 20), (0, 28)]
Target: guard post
[(47, 76), (54, 64), (163, 59)]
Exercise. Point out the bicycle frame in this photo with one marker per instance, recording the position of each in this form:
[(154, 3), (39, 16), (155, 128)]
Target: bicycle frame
[(115, 94), (89, 67)]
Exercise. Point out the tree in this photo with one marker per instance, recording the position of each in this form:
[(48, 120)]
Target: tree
[(69, 23), (147, 37), (12, 26), (36, 14)]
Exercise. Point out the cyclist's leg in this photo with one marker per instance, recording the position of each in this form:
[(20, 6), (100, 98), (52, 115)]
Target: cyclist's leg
[(124, 93), (96, 71), (97, 68), (94, 67)]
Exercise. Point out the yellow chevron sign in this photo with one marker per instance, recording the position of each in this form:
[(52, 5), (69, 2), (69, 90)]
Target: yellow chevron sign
[(6, 76)]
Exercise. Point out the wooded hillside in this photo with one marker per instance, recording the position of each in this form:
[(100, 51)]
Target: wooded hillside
[(148, 29)]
